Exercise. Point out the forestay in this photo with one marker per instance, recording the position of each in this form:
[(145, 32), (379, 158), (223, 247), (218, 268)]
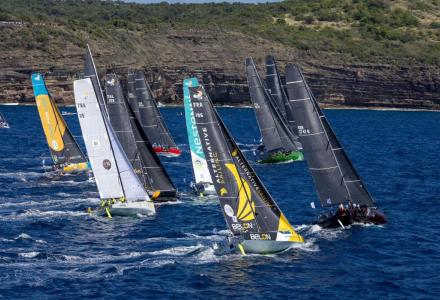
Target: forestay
[(335, 178)]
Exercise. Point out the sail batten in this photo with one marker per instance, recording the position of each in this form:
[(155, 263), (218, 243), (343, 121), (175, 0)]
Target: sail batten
[(335, 178)]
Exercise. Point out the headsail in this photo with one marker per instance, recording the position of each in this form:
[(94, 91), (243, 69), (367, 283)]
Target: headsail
[(63, 147), (248, 208), (278, 93), (137, 147), (200, 166), (335, 178), (151, 119), (274, 131)]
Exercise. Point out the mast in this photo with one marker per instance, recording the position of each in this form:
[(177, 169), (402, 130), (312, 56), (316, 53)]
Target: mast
[(326, 158)]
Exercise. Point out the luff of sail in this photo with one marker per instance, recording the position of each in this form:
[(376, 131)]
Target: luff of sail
[(65, 152), (249, 210), (275, 133), (200, 166), (335, 178), (151, 119)]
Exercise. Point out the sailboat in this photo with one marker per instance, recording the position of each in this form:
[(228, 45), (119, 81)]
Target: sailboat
[(203, 183), (148, 113), (254, 219), (136, 146), (120, 189), (3, 122), (279, 143), (338, 184), (281, 101), (66, 154)]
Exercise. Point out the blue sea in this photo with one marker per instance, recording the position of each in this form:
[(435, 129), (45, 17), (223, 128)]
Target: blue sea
[(50, 248)]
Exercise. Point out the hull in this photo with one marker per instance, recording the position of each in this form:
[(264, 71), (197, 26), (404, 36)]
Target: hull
[(163, 196), (168, 152), (281, 157), (363, 216), (203, 189), (127, 209), (264, 247), (76, 168)]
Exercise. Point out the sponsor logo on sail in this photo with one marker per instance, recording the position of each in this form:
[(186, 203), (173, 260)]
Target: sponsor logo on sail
[(246, 206), (106, 164)]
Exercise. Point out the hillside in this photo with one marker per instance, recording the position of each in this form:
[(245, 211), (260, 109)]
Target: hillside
[(362, 53)]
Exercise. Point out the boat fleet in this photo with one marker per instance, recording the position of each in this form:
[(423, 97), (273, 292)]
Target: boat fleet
[(124, 134)]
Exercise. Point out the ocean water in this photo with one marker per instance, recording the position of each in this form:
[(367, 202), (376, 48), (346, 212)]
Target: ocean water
[(51, 248)]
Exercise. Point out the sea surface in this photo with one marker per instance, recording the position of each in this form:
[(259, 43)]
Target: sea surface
[(50, 248)]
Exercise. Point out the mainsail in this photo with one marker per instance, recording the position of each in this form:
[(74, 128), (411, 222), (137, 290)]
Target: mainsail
[(151, 119), (137, 147), (63, 147), (249, 210), (120, 122), (200, 166), (335, 178), (278, 93), (274, 131)]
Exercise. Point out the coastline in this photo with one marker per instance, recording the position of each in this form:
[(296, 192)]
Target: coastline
[(323, 106)]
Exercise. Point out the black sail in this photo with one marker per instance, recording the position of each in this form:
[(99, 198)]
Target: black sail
[(120, 122), (273, 83), (278, 93), (335, 178), (151, 119), (248, 208), (274, 131)]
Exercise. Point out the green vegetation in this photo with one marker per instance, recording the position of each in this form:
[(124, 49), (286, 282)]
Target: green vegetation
[(356, 30)]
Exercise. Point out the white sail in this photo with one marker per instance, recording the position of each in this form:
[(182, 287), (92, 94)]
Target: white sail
[(97, 132), (200, 166), (97, 142)]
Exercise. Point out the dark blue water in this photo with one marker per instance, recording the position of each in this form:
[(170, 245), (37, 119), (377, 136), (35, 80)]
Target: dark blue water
[(50, 248)]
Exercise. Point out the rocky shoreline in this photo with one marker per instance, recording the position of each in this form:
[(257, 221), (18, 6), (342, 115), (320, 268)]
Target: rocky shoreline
[(217, 60)]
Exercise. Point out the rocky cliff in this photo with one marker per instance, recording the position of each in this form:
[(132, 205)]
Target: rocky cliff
[(216, 57)]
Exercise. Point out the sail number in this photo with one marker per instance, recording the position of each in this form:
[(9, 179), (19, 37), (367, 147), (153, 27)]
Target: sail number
[(303, 131)]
